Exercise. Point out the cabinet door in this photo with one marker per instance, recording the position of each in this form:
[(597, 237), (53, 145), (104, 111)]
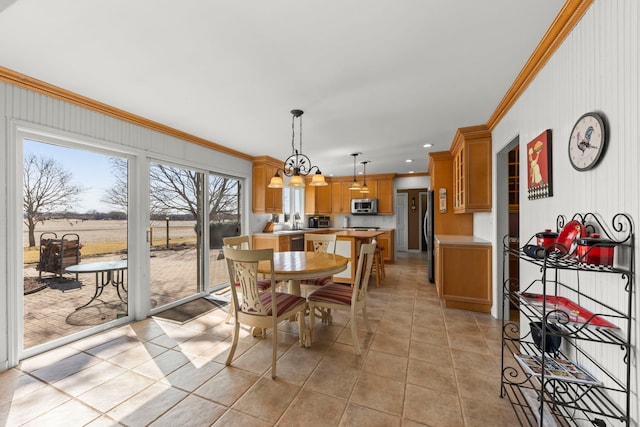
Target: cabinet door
[(385, 196), (459, 179), (265, 199), (386, 241), (336, 197), (317, 200)]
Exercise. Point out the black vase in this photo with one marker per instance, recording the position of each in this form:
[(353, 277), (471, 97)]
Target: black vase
[(552, 342)]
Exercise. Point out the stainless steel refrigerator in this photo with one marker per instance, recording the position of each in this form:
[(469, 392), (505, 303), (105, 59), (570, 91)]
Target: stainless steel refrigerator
[(427, 229)]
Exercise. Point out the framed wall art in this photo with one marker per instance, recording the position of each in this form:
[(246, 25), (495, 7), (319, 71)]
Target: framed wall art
[(539, 179)]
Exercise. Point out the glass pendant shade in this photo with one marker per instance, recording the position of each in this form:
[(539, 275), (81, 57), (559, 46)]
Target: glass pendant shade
[(318, 180), (276, 182), (296, 181), (365, 188), (355, 185)]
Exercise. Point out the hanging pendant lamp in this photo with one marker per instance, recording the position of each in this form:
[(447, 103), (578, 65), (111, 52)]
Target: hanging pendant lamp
[(364, 188), (355, 185), (297, 165)]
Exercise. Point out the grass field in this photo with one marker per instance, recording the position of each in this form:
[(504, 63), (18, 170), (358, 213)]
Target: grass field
[(104, 237)]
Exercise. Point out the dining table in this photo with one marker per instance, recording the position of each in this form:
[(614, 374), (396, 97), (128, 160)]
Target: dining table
[(294, 266)]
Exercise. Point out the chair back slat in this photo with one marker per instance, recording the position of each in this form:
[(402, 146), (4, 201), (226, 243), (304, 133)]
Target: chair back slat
[(324, 243), (242, 266), (237, 242), (363, 272)]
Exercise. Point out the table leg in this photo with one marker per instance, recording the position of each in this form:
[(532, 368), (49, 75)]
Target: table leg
[(98, 292)]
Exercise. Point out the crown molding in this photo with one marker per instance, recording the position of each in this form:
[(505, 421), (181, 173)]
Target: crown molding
[(20, 80), (565, 21)]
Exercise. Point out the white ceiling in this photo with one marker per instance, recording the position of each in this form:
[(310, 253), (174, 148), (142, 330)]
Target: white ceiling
[(382, 77)]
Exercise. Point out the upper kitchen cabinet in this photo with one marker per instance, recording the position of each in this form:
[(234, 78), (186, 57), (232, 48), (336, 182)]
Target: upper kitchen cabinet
[(264, 199), (317, 200), (471, 151), (385, 195), (341, 196)]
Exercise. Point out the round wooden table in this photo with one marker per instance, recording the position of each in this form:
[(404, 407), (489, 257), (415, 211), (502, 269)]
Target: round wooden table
[(298, 265)]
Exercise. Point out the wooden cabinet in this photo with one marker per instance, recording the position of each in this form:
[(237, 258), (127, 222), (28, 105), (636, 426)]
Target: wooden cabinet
[(264, 199), (340, 197), (471, 150), (385, 195), (463, 274), (386, 240), (317, 200), (445, 221)]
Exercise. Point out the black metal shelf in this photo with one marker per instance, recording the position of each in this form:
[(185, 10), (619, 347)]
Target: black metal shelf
[(536, 399)]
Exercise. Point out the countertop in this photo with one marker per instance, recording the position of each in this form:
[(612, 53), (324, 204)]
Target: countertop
[(459, 239), (341, 232)]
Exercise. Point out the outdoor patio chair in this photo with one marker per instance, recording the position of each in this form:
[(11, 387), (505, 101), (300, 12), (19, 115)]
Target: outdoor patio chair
[(352, 299), (255, 308)]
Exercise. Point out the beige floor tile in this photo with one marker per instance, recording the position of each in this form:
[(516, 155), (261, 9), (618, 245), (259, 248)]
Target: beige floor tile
[(477, 385), (227, 386), (32, 405), (267, 399), (356, 416), (193, 374), (110, 394), (193, 411), (430, 353), (14, 384), (313, 409), (72, 412), (137, 355), (497, 410), (386, 365), (89, 378), (479, 362), (233, 418), (65, 367), (199, 344), (103, 421), (379, 393), (297, 364), (431, 375), (391, 344), (146, 406), (333, 379), (162, 365), (432, 407), (46, 359), (111, 348), (145, 330)]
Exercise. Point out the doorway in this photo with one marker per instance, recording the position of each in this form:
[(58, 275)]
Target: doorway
[(507, 211)]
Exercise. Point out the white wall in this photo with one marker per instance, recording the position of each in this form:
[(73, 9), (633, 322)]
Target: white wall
[(29, 109), (595, 69)]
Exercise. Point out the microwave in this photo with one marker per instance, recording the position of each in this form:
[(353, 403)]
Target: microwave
[(319, 222), (364, 206)]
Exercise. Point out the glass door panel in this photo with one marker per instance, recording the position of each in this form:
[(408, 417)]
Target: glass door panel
[(75, 240), (176, 212)]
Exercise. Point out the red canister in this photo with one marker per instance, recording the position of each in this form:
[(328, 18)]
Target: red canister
[(596, 250), (546, 238)]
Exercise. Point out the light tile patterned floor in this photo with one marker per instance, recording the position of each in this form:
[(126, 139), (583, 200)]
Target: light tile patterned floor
[(422, 365)]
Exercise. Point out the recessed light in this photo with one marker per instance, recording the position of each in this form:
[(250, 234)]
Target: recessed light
[(427, 145), (408, 161), (411, 172)]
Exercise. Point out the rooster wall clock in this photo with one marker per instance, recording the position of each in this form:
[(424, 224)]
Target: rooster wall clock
[(587, 142)]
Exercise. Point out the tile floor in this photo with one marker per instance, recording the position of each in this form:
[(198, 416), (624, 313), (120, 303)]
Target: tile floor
[(422, 366)]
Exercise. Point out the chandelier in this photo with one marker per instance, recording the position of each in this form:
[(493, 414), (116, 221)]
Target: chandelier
[(355, 185), (297, 165)]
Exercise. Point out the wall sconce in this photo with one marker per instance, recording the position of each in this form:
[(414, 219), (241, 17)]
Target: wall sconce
[(413, 205)]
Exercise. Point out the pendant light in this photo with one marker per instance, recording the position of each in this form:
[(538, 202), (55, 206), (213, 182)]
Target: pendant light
[(355, 185), (297, 165), (364, 188)]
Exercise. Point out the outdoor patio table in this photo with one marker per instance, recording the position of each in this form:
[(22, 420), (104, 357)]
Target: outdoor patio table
[(107, 273)]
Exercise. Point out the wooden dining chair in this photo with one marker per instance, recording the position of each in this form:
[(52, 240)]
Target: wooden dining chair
[(256, 308), (242, 242), (323, 243), (335, 296)]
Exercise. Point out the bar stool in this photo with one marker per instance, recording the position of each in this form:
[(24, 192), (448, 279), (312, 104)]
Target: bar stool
[(378, 264)]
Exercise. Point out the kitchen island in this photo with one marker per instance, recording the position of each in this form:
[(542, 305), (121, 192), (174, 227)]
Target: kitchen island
[(348, 243)]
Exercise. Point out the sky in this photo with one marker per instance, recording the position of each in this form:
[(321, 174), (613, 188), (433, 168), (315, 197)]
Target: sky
[(89, 170)]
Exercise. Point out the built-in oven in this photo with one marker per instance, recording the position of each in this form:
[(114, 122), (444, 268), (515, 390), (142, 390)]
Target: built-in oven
[(364, 206)]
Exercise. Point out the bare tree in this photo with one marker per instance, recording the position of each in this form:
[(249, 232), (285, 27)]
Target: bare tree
[(116, 196), (175, 190), (47, 187)]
